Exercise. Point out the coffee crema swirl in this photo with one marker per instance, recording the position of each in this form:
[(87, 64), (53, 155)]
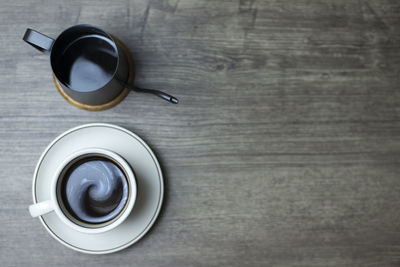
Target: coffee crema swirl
[(94, 190)]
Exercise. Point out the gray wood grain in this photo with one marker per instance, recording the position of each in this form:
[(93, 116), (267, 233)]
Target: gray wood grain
[(284, 150)]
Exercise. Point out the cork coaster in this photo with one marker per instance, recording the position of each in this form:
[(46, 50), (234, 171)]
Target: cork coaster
[(113, 102)]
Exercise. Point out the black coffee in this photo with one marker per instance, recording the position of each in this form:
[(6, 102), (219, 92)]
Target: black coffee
[(88, 63), (94, 190)]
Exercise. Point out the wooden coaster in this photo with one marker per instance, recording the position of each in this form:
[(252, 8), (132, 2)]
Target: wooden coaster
[(113, 102)]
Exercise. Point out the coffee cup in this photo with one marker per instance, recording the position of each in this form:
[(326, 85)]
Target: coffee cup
[(92, 191)]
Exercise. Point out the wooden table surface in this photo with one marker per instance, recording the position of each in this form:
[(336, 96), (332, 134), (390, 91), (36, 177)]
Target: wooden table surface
[(284, 150)]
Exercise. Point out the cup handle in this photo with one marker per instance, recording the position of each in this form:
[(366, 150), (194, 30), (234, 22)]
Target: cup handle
[(38, 40), (41, 208)]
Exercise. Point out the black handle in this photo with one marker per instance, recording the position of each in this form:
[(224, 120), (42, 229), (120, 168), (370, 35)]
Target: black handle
[(39, 41), (158, 93)]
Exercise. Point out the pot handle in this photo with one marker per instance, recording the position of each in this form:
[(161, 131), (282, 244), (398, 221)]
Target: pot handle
[(39, 41)]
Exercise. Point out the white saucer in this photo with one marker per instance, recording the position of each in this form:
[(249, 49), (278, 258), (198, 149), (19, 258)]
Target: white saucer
[(148, 176)]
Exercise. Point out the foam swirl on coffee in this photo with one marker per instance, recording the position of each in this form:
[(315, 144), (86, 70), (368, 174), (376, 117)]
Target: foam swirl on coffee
[(94, 190)]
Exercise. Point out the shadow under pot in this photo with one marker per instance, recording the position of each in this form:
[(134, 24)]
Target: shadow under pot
[(90, 66)]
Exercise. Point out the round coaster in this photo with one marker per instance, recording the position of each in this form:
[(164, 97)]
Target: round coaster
[(113, 102), (149, 180)]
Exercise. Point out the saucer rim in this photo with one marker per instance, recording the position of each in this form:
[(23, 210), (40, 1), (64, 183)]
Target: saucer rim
[(160, 178)]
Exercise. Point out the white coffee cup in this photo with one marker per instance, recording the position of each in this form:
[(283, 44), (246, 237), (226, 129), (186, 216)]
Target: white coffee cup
[(53, 204)]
